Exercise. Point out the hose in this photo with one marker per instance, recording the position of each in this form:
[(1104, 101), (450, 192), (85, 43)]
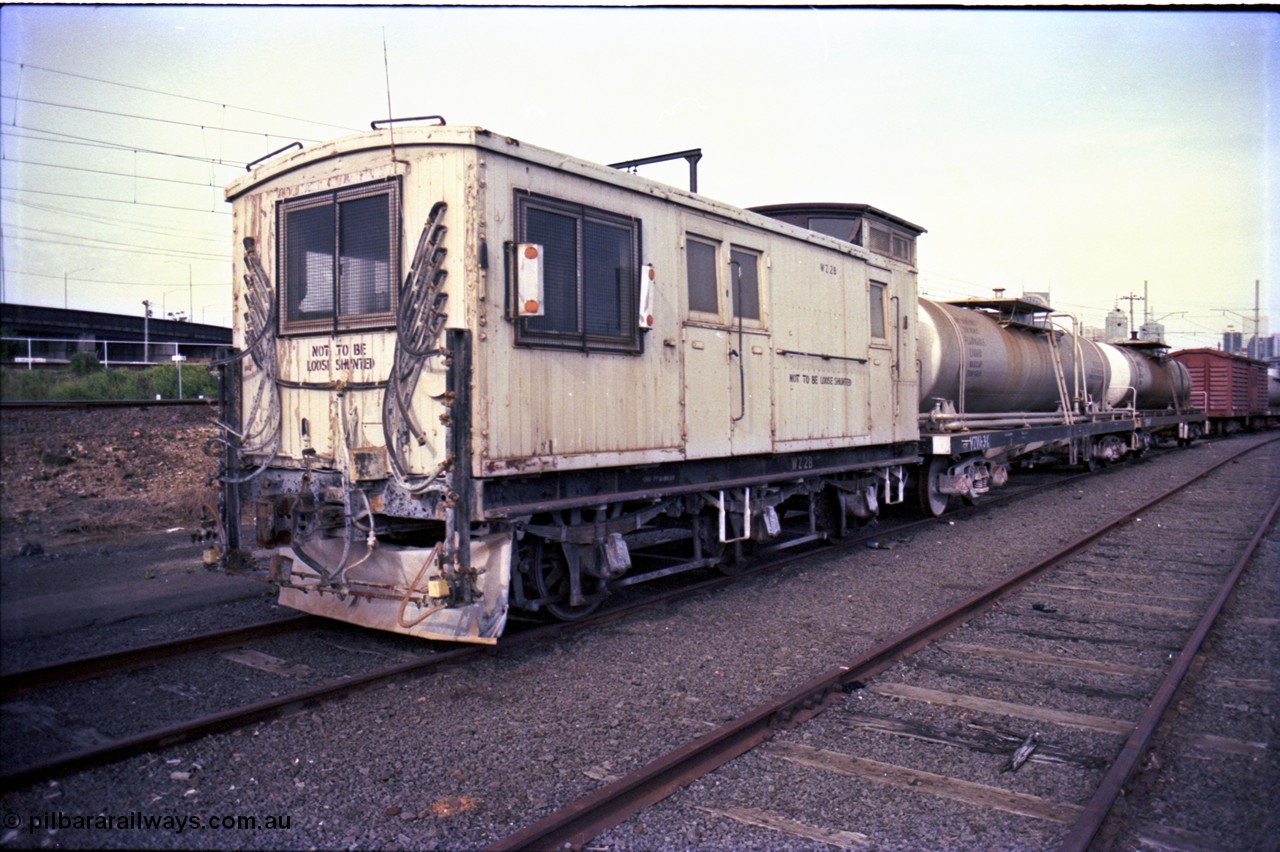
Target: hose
[(433, 556)]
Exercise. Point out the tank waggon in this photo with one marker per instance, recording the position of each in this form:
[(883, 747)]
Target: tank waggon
[(1235, 392), (1001, 382), (997, 357), (473, 375)]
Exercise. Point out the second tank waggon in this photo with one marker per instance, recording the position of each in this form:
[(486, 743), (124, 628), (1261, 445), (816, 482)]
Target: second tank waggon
[(473, 376), (1009, 379)]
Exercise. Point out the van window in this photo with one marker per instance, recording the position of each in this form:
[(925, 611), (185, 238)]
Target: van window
[(591, 276), (876, 309), (339, 259), (744, 267), (701, 258)]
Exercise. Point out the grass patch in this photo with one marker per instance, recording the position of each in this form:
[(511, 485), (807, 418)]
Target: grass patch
[(87, 380)]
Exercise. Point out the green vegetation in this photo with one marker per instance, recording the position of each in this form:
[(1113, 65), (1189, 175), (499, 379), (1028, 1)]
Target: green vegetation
[(84, 378)]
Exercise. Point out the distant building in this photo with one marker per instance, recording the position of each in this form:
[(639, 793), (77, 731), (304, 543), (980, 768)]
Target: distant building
[(1251, 341), (1117, 327)]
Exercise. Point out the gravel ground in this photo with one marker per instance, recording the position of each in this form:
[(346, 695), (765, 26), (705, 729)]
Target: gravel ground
[(896, 818), (464, 756), (1195, 791)]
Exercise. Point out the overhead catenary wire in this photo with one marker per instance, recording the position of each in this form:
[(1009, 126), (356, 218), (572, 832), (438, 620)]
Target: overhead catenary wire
[(84, 280), (115, 245), (155, 253), (126, 175), (28, 65), (130, 224), (115, 200), (90, 142), (173, 121), (34, 134)]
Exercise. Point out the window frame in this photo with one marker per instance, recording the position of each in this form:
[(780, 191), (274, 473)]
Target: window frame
[(336, 322), (891, 242), (731, 301), (630, 339), (852, 230), (883, 287), (717, 315)]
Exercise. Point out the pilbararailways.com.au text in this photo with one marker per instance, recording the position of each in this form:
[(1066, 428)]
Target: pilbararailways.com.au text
[(138, 821)]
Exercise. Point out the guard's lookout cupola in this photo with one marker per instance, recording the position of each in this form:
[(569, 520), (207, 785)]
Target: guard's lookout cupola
[(860, 224)]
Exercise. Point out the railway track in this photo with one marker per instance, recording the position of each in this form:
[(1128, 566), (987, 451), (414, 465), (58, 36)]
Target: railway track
[(104, 750), (246, 643), (13, 684), (1075, 658), (255, 711)]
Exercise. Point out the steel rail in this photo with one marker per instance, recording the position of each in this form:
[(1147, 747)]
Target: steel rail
[(16, 683), (270, 708), (804, 705), (579, 821), (186, 731), (1095, 812)]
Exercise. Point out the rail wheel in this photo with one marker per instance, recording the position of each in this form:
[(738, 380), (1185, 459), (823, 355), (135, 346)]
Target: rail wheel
[(727, 559), (829, 515), (548, 567), (932, 501)]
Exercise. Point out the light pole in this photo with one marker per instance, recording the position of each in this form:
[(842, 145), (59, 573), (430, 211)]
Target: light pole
[(67, 275), (146, 326), (1153, 326), (164, 303), (191, 298)]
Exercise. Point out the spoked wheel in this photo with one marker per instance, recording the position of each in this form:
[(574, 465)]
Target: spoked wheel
[(932, 502), (549, 569)]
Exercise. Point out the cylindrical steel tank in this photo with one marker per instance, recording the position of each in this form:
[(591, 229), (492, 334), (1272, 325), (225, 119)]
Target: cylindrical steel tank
[(982, 366), (1155, 383), (968, 357)]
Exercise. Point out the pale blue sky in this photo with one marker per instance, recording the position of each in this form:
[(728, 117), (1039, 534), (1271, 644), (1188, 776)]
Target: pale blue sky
[(1076, 152)]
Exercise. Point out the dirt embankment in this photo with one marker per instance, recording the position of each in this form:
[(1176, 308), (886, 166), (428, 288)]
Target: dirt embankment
[(68, 473)]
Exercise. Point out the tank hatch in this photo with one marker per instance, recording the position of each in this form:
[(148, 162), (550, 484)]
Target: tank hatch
[(1141, 345), (1027, 312)]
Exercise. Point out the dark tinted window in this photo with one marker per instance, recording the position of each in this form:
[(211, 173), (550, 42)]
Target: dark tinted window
[(704, 284), (849, 230), (339, 249), (745, 293), (591, 276), (558, 235)]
